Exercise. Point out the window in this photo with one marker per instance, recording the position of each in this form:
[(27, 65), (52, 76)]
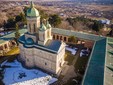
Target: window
[(43, 36), (64, 38), (1, 48), (57, 37), (28, 60), (34, 28), (53, 36), (45, 63), (29, 27), (48, 34), (5, 46), (60, 37)]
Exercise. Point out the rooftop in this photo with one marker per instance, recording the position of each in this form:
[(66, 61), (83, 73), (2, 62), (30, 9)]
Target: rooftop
[(94, 74), (51, 45), (108, 73), (11, 36), (32, 11), (81, 35)]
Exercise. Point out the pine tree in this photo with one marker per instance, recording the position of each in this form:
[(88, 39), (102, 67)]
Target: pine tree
[(17, 34)]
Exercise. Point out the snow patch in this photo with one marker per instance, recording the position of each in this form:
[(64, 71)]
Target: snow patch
[(15, 74), (72, 50)]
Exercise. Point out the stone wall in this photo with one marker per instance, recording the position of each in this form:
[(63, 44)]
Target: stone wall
[(33, 57)]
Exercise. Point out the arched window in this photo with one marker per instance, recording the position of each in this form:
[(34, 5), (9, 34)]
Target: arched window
[(1, 47), (5, 46), (34, 28), (57, 37), (48, 34), (43, 36), (65, 39), (53, 36), (29, 27), (60, 37)]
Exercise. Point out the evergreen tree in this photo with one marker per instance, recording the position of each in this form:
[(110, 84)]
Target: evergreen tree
[(10, 22), (72, 39), (55, 20), (17, 34), (97, 26)]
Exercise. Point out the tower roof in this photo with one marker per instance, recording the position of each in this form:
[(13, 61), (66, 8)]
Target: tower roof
[(43, 27), (48, 25), (32, 11)]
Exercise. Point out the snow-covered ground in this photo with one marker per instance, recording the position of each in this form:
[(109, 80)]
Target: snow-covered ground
[(72, 50), (15, 74), (84, 52)]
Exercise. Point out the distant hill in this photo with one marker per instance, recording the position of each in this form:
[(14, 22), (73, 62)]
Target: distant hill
[(85, 1)]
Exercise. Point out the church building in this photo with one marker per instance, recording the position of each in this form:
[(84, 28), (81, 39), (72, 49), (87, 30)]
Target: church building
[(37, 47)]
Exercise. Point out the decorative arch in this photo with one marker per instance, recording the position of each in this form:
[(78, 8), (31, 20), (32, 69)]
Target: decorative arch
[(57, 37)]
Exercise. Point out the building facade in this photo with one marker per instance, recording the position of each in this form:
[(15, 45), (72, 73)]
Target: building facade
[(37, 47)]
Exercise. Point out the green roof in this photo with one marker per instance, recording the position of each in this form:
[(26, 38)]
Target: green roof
[(11, 36), (77, 34), (108, 73), (50, 46), (94, 74), (32, 11), (43, 27)]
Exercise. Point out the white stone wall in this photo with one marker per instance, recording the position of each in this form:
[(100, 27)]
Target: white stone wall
[(60, 57), (33, 21), (34, 57), (45, 60), (22, 52), (42, 37)]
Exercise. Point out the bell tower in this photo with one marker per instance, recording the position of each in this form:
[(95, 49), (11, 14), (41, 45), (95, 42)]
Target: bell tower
[(33, 19)]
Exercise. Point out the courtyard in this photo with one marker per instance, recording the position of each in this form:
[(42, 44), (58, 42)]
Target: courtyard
[(76, 61), (15, 74)]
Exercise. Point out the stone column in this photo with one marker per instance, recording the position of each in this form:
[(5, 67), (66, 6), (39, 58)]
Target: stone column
[(66, 39)]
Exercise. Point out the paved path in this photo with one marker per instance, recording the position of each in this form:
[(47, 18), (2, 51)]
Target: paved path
[(71, 69), (68, 71)]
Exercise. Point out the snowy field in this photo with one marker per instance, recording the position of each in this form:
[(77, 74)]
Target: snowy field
[(15, 74), (72, 50)]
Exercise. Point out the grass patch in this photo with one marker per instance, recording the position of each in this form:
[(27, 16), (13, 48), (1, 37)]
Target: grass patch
[(60, 77), (13, 51), (74, 81), (12, 58), (69, 57), (81, 63)]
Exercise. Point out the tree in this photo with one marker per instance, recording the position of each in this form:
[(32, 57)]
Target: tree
[(72, 39), (25, 10), (23, 18), (97, 26), (43, 14), (55, 20), (17, 34), (18, 18), (10, 22)]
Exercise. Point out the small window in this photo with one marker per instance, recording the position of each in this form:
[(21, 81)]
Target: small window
[(28, 60), (53, 36), (57, 37), (30, 27), (5, 46), (48, 34), (60, 37), (65, 39), (34, 28), (45, 64)]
